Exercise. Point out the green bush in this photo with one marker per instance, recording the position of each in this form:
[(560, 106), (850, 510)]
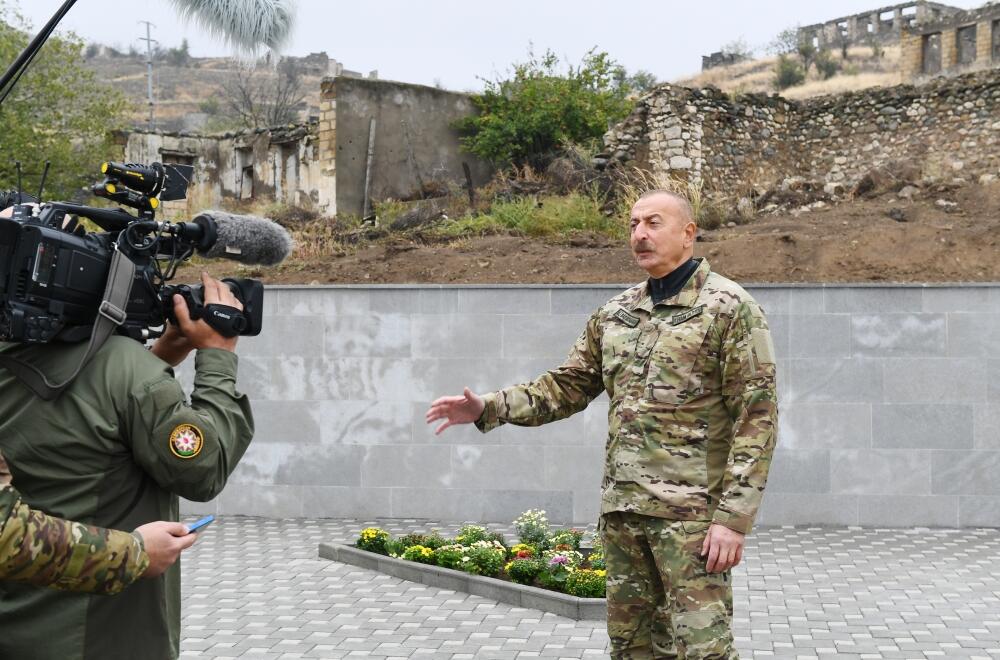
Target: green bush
[(826, 66), (449, 556), (532, 527), (484, 558), (469, 534), (419, 553), (395, 547), (788, 73), (570, 537), (587, 583), (539, 109), (374, 540), (524, 571)]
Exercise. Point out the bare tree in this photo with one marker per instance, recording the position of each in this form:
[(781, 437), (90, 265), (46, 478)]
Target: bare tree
[(262, 97)]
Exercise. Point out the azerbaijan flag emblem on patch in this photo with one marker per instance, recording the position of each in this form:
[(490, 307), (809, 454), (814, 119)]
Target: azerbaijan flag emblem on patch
[(186, 441)]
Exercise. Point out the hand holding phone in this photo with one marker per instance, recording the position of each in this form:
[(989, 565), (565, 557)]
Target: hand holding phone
[(198, 524)]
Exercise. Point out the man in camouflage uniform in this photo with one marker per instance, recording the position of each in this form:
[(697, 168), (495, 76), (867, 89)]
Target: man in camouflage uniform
[(687, 361), (51, 552)]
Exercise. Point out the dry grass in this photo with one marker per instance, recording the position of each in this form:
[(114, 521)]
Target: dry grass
[(861, 70)]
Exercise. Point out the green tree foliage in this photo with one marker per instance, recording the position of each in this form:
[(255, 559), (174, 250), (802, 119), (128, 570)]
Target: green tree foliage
[(786, 42), (57, 112), (826, 65), (788, 73), (180, 56), (541, 108)]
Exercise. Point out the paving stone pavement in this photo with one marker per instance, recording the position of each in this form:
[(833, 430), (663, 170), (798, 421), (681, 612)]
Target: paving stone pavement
[(255, 588)]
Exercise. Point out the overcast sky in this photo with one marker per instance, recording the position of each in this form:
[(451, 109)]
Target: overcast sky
[(456, 42)]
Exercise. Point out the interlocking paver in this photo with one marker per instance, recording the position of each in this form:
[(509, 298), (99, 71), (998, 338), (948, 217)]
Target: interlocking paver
[(255, 589)]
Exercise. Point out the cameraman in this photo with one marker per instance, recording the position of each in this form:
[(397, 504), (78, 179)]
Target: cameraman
[(40, 549), (116, 449)]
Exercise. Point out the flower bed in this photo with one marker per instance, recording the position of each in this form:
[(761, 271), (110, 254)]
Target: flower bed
[(546, 570)]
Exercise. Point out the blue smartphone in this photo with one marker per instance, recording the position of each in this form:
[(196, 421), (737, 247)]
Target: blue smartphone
[(198, 524)]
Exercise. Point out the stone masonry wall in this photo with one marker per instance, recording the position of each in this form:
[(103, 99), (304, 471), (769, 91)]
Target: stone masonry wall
[(950, 127), (889, 400)]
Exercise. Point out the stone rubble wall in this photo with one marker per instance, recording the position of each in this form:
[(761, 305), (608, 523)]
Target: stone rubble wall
[(950, 128)]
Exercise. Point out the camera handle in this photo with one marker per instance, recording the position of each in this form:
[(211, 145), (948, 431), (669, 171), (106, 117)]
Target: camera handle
[(110, 315)]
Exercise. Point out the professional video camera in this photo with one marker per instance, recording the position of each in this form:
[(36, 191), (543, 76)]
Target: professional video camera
[(54, 275)]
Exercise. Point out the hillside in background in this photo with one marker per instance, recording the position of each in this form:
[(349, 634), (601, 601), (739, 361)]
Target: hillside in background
[(861, 69), (191, 97)]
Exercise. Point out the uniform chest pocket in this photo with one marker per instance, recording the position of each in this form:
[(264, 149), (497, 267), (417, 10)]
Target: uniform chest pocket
[(619, 347), (677, 361)]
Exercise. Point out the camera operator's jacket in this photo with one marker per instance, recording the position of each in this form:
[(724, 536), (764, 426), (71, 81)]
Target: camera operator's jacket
[(693, 406), (114, 450)]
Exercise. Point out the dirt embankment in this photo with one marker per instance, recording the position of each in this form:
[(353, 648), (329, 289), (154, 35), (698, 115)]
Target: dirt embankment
[(949, 235)]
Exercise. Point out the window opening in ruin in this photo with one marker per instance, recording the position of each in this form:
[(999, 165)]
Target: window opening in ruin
[(931, 53), (178, 159), (244, 172), (966, 42), (996, 41), (909, 16), (869, 27), (815, 41), (842, 28)]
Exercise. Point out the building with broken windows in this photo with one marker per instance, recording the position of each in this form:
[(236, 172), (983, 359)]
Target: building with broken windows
[(374, 140), (884, 25), (961, 42)]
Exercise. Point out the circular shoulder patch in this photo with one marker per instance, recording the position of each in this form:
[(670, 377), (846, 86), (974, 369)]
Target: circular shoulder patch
[(186, 441)]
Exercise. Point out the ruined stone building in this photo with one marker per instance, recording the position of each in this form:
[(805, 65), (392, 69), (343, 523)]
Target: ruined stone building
[(956, 43), (374, 140), (948, 127), (721, 58), (883, 25)]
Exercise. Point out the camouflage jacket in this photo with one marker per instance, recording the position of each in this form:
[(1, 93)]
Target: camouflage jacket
[(693, 404), (52, 552)]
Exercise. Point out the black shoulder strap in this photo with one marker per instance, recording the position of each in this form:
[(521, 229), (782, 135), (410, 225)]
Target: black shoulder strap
[(110, 315)]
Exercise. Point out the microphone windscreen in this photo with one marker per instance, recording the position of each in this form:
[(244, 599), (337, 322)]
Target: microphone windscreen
[(247, 239), (246, 25)]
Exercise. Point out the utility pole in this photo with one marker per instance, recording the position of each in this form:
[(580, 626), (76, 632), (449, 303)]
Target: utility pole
[(149, 70)]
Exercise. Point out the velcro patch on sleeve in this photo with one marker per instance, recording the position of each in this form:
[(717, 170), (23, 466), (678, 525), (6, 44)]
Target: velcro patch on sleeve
[(763, 347)]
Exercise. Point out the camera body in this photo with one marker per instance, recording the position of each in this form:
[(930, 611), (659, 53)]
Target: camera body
[(53, 272)]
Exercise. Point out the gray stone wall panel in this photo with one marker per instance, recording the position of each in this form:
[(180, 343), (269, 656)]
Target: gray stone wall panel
[(889, 401)]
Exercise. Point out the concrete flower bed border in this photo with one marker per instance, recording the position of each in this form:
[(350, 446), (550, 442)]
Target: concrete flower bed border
[(511, 593)]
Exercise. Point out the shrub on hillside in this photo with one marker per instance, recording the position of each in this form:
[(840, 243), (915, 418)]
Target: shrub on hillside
[(788, 73), (540, 109)]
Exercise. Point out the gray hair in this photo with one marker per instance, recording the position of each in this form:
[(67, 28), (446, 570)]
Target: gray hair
[(687, 212)]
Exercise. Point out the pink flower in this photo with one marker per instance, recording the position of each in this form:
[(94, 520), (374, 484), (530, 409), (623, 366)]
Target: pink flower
[(558, 559)]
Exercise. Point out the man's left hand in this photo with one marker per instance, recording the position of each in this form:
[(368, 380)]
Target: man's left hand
[(724, 548)]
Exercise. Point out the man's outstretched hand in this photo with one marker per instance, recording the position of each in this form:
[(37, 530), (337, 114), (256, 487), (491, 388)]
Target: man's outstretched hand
[(463, 409)]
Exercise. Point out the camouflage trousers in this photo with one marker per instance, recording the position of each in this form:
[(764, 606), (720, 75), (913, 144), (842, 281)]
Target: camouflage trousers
[(662, 603)]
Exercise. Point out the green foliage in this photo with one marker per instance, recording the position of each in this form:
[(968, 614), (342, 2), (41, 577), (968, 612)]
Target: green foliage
[(826, 65), (395, 547), (524, 571), (484, 558), (547, 216), (449, 556), (374, 540), (532, 527), (788, 73), (807, 53), (469, 534), (785, 43), (570, 537), (641, 81), (419, 553), (180, 56), (586, 583), (58, 112), (539, 108)]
